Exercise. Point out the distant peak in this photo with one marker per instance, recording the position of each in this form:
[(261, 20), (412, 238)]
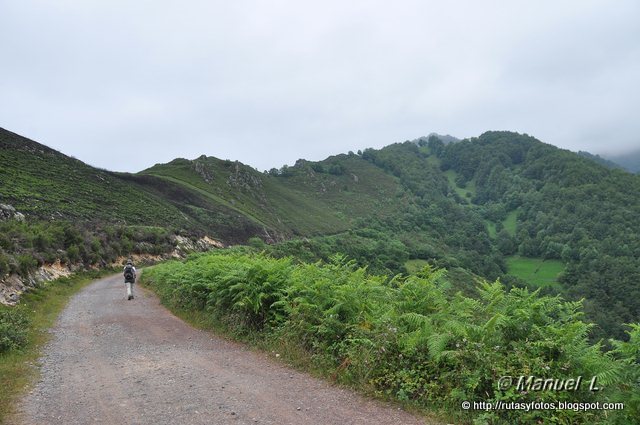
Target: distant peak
[(446, 139)]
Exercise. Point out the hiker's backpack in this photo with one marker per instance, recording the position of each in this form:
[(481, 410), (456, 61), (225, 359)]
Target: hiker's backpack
[(128, 273)]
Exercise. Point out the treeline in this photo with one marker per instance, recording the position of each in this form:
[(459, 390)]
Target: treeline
[(381, 251), (435, 216), (568, 208), (407, 337)]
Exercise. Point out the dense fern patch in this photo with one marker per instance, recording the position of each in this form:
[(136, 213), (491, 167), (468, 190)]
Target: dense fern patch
[(408, 338)]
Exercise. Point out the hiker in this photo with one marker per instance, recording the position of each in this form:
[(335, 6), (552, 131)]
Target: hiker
[(129, 278)]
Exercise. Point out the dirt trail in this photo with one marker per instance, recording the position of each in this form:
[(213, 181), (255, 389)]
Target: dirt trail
[(113, 361)]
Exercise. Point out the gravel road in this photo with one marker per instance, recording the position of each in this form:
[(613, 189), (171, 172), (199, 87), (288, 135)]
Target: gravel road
[(113, 361)]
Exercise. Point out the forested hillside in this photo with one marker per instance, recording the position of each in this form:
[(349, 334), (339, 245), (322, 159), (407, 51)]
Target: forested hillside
[(502, 205), (567, 208), (506, 205)]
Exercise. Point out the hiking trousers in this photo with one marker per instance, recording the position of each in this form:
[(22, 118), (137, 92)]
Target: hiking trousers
[(129, 286)]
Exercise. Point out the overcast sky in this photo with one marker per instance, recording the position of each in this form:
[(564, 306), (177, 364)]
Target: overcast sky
[(127, 84)]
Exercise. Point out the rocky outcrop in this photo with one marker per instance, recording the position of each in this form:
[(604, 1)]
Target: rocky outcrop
[(244, 178), (8, 212), (12, 286), (203, 169), (185, 246)]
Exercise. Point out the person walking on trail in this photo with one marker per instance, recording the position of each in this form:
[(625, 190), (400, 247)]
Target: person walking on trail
[(129, 278)]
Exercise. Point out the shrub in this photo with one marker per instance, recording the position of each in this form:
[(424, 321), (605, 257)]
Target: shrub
[(409, 338), (4, 264), (13, 329), (26, 263), (73, 253)]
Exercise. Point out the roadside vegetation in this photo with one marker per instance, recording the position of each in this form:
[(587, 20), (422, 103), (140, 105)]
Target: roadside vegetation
[(27, 245), (24, 331), (407, 338)]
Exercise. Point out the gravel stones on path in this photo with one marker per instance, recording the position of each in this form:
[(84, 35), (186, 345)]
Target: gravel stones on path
[(114, 361)]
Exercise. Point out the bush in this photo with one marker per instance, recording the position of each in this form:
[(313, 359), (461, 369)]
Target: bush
[(256, 242), (73, 253), (13, 329), (4, 265), (26, 263), (408, 338)]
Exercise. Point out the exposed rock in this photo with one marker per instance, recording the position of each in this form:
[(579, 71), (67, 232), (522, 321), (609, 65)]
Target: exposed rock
[(244, 179), (185, 245), (202, 168), (12, 286), (54, 271), (10, 289), (8, 212)]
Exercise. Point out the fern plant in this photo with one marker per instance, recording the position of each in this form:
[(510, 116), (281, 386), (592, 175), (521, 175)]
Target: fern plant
[(408, 337)]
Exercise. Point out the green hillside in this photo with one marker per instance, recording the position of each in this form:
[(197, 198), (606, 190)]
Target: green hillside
[(535, 271), (467, 206), (45, 184), (568, 208), (87, 217), (306, 199)]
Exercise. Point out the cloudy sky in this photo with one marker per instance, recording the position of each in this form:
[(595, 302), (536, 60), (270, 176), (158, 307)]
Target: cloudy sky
[(127, 84)]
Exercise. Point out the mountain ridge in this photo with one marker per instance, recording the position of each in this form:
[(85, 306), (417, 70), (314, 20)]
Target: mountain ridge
[(629, 160), (475, 207)]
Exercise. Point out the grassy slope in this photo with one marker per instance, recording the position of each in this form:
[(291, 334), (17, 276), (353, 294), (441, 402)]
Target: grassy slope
[(491, 227), (303, 202), (43, 183), (468, 191), (363, 190), (414, 266), (510, 223), (225, 199), (535, 270)]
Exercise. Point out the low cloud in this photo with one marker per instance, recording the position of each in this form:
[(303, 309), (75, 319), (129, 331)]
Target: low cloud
[(123, 86)]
